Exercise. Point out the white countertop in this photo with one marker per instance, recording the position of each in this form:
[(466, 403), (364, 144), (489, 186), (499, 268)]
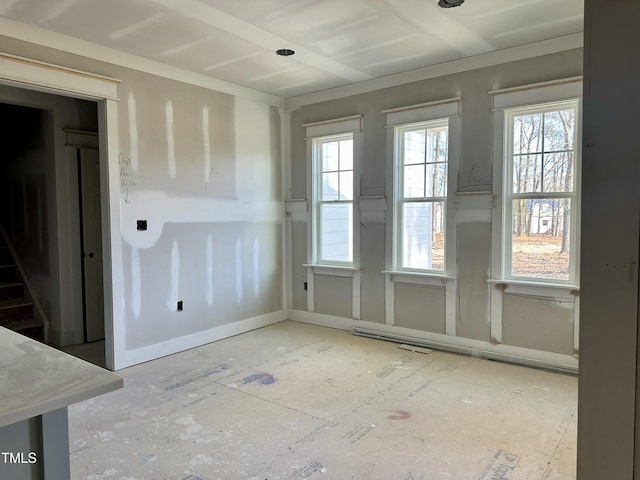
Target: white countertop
[(36, 379)]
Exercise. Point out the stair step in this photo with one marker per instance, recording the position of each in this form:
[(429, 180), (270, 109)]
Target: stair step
[(7, 269), (15, 303), (18, 325), (11, 289)]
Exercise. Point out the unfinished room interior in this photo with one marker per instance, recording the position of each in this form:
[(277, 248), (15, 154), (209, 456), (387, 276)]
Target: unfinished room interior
[(319, 239)]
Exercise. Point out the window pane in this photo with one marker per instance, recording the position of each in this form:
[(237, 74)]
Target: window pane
[(527, 173), (559, 128), (423, 235), (436, 184), (414, 147), (329, 156), (438, 144), (526, 133), (346, 185), (346, 155), (414, 181), (330, 188), (558, 172), (336, 232), (540, 238)]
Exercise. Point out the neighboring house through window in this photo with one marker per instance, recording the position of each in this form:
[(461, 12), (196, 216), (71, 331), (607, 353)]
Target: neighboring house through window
[(334, 199), (537, 181), (541, 193), (424, 141), (333, 149), (422, 175)]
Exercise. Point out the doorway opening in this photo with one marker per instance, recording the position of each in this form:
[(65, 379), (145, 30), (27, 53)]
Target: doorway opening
[(62, 299), (52, 218)]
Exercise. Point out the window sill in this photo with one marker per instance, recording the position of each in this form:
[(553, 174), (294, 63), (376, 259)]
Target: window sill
[(544, 289), (419, 278), (335, 270)]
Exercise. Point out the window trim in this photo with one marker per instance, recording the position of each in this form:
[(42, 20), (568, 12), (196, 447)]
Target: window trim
[(317, 131), (318, 202), (440, 111), (399, 200), (531, 97)]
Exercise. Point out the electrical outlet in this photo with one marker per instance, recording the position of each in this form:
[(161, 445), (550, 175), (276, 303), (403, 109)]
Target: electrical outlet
[(179, 308)]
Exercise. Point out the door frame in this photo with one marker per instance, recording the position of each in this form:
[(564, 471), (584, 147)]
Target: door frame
[(30, 74)]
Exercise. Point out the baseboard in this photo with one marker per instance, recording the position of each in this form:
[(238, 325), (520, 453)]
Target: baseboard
[(477, 348), (60, 339), (151, 352), (321, 320)]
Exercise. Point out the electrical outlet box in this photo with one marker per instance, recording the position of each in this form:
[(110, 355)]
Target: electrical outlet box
[(141, 224), (179, 307)]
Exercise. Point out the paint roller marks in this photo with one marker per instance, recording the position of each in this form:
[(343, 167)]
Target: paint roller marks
[(501, 467), (261, 378)]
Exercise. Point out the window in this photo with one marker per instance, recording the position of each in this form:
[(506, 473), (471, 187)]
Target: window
[(423, 144), (333, 163), (540, 192), (421, 166), (333, 153)]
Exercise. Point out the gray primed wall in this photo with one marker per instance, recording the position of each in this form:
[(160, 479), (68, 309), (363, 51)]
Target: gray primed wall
[(333, 295), (420, 307), (608, 396), (530, 322), (474, 175), (236, 200)]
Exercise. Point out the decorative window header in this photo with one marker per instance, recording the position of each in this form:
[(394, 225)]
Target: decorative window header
[(423, 112), (334, 126), (537, 93)]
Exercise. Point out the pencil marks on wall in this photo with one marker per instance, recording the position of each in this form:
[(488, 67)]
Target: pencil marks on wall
[(201, 170)]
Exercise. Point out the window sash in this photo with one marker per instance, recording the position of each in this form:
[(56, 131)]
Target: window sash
[(418, 259), (571, 195), (331, 252)]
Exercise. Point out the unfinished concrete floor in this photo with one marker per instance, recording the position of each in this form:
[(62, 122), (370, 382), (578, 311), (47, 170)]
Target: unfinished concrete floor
[(294, 401)]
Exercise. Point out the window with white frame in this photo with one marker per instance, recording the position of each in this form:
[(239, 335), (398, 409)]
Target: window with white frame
[(334, 199), (541, 197), (421, 194), (423, 142), (332, 150)]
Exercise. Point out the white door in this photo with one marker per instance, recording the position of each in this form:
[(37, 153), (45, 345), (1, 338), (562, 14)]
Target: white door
[(92, 244)]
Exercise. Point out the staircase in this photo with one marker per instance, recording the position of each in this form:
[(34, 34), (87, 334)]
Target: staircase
[(16, 309)]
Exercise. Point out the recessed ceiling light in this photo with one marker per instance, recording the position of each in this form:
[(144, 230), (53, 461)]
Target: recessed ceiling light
[(450, 3), (284, 52)]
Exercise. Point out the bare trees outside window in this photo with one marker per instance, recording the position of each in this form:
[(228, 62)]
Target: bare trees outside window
[(422, 172), (541, 195)]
